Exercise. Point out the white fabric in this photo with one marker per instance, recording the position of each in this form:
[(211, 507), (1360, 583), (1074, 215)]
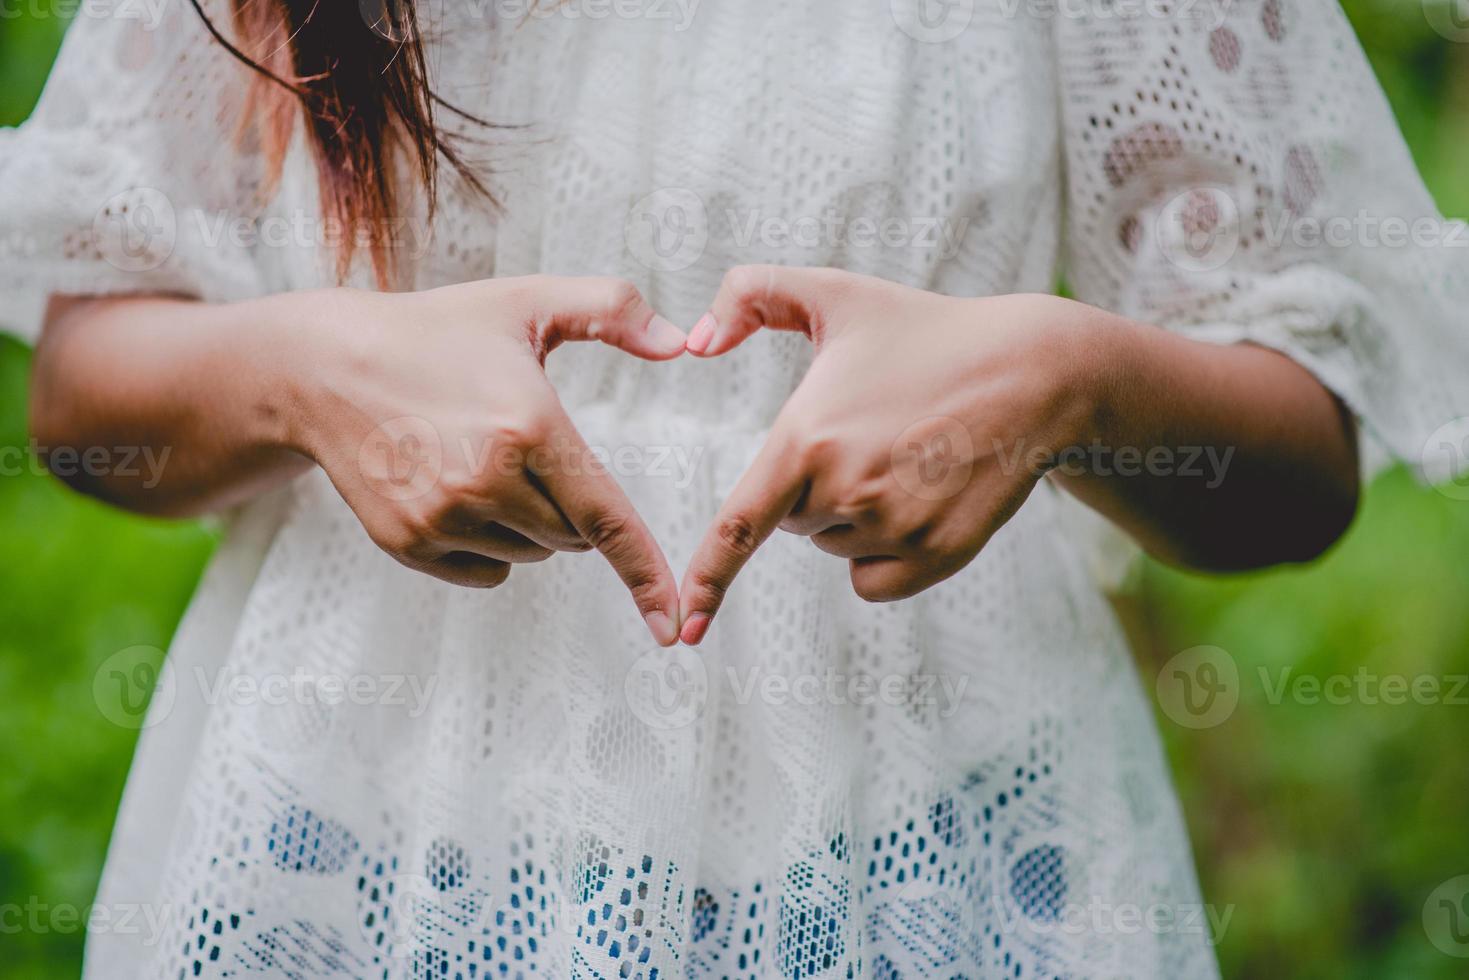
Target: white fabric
[(566, 800)]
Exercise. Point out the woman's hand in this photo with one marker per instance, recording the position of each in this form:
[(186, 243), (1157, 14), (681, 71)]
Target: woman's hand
[(926, 420), (897, 451), (433, 417), (429, 411)]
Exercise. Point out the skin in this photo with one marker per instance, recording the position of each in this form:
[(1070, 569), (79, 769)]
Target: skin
[(481, 470), (901, 457)]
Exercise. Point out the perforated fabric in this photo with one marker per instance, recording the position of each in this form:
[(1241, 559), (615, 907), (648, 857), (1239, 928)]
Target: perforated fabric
[(964, 785)]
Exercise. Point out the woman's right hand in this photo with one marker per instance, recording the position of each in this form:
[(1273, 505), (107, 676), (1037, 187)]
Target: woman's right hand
[(432, 414)]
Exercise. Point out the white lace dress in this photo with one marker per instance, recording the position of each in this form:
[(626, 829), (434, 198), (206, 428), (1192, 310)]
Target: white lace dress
[(517, 783)]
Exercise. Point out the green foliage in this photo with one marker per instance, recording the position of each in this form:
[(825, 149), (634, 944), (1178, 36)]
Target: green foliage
[(1324, 827), (79, 583), (27, 47)]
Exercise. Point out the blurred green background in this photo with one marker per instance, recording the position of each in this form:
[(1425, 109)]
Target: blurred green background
[(1320, 829)]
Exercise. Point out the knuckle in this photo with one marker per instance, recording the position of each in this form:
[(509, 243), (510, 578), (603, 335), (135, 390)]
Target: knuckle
[(813, 449), (403, 539), (709, 590), (737, 535), (423, 525), (860, 501), (923, 538), (608, 531), (902, 523), (521, 432), (443, 511), (645, 590), (746, 282), (618, 297), (523, 294), (455, 486)]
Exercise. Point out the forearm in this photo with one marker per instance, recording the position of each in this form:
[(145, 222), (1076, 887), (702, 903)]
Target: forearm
[(1253, 462), (197, 396)]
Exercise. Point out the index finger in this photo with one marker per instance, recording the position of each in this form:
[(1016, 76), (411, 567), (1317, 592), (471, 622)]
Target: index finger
[(599, 510), (764, 496)]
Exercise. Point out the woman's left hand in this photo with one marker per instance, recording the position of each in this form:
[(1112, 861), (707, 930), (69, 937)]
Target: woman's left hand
[(921, 427)]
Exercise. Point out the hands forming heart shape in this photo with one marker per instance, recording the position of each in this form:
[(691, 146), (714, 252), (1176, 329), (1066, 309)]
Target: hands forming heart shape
[(893, 452)]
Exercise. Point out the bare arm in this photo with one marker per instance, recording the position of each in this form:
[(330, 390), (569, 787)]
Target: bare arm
[(205, 389), (1258, 461), (430, 412), (925, 421)]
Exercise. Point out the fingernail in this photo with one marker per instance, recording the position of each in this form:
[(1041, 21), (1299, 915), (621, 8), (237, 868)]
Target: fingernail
[(702, 334), (693, 629), (664, 334), (661, 627)]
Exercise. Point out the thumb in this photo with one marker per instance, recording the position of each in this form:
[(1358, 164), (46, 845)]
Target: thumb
[(773, 296), (613, 311)]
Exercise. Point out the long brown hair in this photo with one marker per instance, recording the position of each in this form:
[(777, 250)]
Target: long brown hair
[(355, 70)]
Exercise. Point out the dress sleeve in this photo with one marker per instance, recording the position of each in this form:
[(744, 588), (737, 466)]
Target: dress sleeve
[(1239, 176), (135, 172)]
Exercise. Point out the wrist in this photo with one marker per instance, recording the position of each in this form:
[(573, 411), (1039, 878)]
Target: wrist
[(294, 348), (1095, 357)]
